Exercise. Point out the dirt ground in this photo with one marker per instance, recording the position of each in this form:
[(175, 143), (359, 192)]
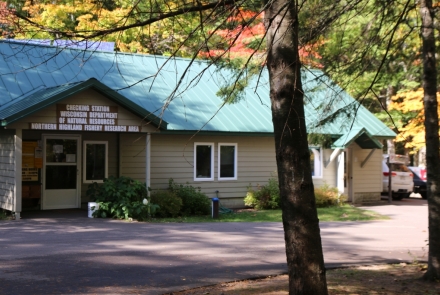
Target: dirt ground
[(387, 279)]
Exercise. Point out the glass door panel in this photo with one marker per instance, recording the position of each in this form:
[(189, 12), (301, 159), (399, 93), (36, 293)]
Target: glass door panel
[(61, 177), (61, 168)]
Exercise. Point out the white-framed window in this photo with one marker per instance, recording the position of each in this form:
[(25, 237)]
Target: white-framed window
[(203, 161), (227, 161), (95, 161), (316, 161)]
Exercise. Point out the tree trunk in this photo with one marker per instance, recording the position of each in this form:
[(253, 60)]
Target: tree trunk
[(300, 220), (391, 148), (431, 138)]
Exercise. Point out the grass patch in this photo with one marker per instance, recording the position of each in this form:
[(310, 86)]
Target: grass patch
[(343, 213), (348, 213)]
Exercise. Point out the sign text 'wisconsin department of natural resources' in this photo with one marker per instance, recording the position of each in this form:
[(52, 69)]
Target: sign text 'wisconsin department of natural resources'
[(80, 117)]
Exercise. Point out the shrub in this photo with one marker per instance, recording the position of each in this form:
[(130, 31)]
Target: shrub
[(250, 199), (120, 197), (169, 204), (265, 197), (194, 202), (268, 196), (5, 215), (327, 196)]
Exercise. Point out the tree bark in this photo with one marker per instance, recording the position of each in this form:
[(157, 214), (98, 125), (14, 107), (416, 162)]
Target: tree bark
[(300, 220), (391, 147), (431, 138)]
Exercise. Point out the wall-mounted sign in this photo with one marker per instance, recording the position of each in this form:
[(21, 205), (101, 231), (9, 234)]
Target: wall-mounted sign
[(29, 169), (28, 154), (78, 117), (29, 174)]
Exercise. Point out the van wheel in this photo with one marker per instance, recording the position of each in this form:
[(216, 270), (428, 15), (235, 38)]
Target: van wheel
[(397, 196)]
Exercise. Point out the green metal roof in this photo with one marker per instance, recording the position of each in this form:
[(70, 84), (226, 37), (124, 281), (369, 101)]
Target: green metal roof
[(360, 136), (182, 95), (332, 111), (45, 97)]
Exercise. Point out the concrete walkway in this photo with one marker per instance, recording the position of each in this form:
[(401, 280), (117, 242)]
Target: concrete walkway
[(64, 252)]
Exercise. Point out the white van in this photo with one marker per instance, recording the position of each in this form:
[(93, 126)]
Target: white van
[(402, 184)]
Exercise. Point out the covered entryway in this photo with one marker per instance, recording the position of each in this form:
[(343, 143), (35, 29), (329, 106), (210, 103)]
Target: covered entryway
[(357, 177), (61, 171), (61, 139)]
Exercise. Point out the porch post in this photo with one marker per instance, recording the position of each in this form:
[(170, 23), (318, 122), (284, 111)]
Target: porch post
[(349, 175), (17, 168), (340, 173)]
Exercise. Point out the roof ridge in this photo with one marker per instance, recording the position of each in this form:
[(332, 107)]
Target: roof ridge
[(15, 41), (66, 84)]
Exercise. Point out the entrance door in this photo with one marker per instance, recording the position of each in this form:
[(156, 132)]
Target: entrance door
[(61, 172)]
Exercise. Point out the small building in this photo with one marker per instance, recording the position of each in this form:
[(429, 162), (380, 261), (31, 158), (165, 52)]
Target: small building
[(70, 117)]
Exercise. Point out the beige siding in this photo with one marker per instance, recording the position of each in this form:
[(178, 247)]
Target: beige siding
[(7, 170), (173, 156), (328, 173), (132, 156), (88, 97), (367, 180), (369, 177)]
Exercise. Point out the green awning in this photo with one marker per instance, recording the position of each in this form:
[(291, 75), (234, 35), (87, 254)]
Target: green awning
[(359, 136)]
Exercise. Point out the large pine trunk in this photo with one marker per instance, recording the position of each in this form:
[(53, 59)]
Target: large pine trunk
[(431, 138), (300, 220)]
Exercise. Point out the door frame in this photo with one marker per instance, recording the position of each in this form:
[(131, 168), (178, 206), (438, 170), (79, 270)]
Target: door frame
[(78, 167)]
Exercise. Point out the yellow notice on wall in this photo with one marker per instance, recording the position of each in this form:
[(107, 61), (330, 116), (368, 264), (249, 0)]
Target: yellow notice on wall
[(28, 162), (28, 154), (29, 147)]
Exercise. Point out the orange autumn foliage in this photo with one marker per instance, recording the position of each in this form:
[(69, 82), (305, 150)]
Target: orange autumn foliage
[(7, 18), (251, 29)]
